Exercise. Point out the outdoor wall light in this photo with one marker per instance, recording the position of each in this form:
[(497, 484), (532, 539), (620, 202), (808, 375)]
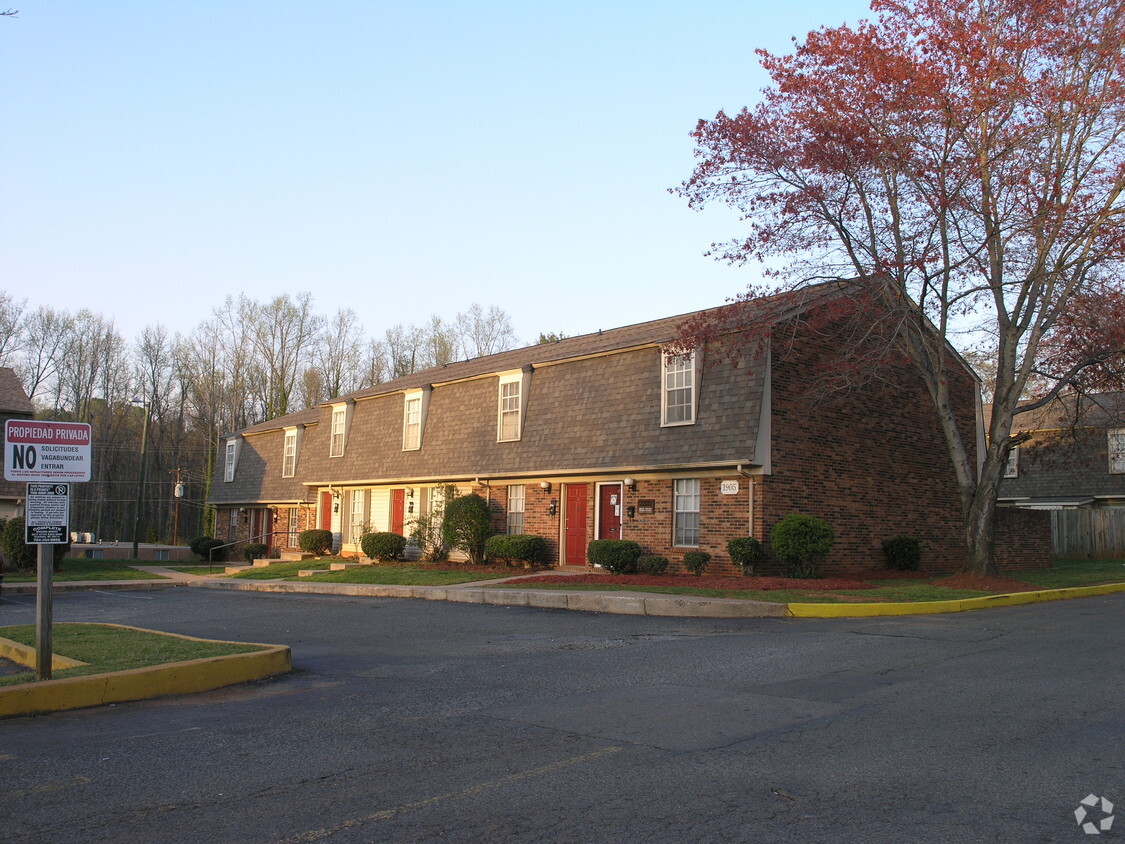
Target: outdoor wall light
[(631, 512), (335, 506), (410, 507), (629, 482), (410, 492), (554, 508), (545, 486)]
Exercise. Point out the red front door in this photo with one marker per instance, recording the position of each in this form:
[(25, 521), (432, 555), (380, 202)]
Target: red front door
[(575, 527), (326, 511), (609, 511), (398, 510)]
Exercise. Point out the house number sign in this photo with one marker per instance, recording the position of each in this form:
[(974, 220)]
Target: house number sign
[(728, 487)]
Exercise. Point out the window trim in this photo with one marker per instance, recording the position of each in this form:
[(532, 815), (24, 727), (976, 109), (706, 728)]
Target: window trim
[(408, 397), (1012, 467), (694, 366), (522, 499), (522, 378), (292, 530), (355, 529), (289, 453), (230, 459), (1111, 435), (697, 495), (341, 410)]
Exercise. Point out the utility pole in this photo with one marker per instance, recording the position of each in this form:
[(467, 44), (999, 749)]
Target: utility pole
[(177, 494)]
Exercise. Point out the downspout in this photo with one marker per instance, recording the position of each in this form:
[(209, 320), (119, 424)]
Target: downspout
[(750, 502)]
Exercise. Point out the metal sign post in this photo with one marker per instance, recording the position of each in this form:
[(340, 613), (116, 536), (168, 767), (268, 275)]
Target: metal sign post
[(43, 454)]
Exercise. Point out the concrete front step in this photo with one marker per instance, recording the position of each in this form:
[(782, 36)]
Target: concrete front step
[(234, 569), (294, 556)]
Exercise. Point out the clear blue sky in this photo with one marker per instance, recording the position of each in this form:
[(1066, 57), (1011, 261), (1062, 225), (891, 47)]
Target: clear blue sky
[(401, 159)]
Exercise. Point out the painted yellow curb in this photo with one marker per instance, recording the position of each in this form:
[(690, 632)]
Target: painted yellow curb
[(25, 655), (176, 678), (1012, 599)]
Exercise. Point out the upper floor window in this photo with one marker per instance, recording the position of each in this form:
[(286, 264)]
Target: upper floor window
[(678, 389), (508, 426), (229, 473), (685, 509), (516, 493), (339, 426), (289, 455), (1012, 469), (1116, 443), (412, 423)]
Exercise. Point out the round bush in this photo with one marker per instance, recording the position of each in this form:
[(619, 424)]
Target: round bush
[(745, 552), (194, 544), (316, 541), (614, 555), (211, 550), (696, 562), (383, 546), (904, 553), (17, 555), (651, 564), (254, 551), (802, 542)]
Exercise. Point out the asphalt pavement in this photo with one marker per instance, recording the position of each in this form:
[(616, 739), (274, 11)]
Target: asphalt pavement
[(409, 720)]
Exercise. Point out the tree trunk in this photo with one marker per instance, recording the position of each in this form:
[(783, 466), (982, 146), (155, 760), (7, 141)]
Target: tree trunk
[(980, 551)]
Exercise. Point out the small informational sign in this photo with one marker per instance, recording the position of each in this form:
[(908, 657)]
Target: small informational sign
[(46, 451), (728, 487), (48, 514), (646, 506)]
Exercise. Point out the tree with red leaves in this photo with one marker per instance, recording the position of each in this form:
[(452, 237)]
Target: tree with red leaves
[(956, 164)]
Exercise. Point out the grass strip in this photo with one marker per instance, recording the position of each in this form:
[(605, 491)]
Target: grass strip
[(108, 649), (1067, 573), (81, 568), (275, 571), (920, 592), (398, 575)]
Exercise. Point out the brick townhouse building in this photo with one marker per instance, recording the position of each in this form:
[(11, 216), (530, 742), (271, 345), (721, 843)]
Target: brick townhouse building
[(606, 436)]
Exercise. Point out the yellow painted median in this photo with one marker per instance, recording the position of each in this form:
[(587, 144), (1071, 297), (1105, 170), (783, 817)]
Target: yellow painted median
[(174, 678), (1012, 599)]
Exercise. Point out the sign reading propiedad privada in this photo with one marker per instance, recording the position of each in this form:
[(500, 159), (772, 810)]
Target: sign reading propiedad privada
[(47, 451)]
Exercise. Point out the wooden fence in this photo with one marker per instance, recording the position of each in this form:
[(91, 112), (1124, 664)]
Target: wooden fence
[(1087, 532)]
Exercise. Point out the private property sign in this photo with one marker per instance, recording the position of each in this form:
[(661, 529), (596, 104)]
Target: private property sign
[(46, 451)]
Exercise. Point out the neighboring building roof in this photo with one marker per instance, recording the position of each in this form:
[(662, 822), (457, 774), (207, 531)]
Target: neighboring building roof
[(13, 399), (1089, 410)]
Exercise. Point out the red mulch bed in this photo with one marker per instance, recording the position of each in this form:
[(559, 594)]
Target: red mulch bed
[(759, 584), (893, 574)]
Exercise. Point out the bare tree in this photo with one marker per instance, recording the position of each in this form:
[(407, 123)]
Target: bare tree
[(483, 332)]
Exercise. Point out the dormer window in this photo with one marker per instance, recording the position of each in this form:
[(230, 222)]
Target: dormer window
[(1012, 468), (338, 430), (289, 454), (232, 455), (679, 375), (1116, 444), (413, 418), (512, 400)]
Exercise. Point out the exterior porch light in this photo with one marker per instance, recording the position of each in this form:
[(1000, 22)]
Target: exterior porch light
[(545, 486), (630, 482)]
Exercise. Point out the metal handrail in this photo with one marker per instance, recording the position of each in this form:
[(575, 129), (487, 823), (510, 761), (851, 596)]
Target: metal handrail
[(214, 548)]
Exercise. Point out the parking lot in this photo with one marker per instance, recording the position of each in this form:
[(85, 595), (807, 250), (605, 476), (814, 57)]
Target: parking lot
[(411, 720)]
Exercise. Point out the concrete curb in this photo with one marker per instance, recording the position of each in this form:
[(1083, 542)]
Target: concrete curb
[(631, 603), (1013, 599), (177, 678)]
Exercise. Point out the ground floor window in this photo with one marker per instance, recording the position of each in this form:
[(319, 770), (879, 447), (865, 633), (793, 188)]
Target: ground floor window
[(516, 494), (685, 507), (359, 502), (294, 528), (232, 528)]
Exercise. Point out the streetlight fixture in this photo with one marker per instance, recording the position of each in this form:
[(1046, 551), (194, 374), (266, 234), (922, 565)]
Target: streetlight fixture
[(137, 524)]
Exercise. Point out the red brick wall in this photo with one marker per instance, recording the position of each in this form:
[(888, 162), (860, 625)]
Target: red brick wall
[(1023, 538), (871, 461)]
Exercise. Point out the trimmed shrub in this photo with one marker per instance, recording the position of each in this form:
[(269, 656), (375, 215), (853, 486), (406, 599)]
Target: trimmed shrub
[(650, 564), (903, 553), (614, 555), (383, 546), (745, 552), (467, 525), (525, 548), (211, 550), (194, 544), (254, 551), (17, 554), (316, 541), (802, 542), (697, 561)]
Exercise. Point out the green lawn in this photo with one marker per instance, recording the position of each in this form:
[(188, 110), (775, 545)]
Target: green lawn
[(81, 568), (112, 649), (1068, 573), (218, 568), (275, 571), (400, 575)]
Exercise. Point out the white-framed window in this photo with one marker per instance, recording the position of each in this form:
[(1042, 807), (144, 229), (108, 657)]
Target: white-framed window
[(289, 455), (508, 423), (358, 515), (232, 526), (1012, 469), (685, 509), (339, 426), (678, 389), (412, 423), (516, 494), (1115, 441), (294, 523), (228, 475)]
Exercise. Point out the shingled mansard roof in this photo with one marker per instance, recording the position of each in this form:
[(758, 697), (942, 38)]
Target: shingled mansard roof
[(13, 399), (654, 333)]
